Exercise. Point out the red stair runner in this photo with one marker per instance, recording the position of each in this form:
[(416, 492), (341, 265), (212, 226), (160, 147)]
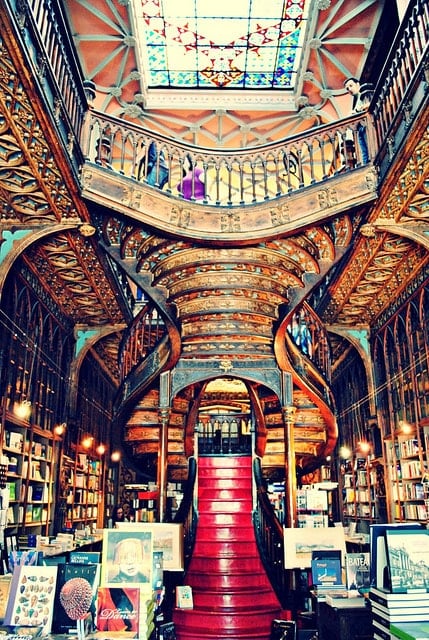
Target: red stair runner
[(233, 598)]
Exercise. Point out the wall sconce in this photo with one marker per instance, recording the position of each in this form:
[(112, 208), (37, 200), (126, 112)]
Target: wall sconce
[(60, 429), (101, 449), (405, 427), (87, 442), (345, 452), (22, 409), (116, 456), (364, 447)]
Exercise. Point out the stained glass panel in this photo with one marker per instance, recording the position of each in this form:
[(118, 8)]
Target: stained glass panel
[(218, 43)]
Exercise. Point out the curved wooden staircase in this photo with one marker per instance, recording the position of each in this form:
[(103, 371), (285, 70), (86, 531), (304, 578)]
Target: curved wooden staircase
[(233, 598)]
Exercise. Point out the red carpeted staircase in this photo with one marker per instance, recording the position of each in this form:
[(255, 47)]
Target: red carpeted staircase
[(233, 598)]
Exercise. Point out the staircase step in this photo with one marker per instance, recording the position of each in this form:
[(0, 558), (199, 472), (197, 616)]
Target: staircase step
[(246, 565), (233, 598), (224, 520), (244, 599), (223, 474), (226, 582), (224, 462), (225, 548), (238, 533), (213, 482), (230, 493), (238, 621), (224, 506)]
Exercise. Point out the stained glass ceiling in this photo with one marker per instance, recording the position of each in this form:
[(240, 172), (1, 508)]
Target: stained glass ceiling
[(212, 44)]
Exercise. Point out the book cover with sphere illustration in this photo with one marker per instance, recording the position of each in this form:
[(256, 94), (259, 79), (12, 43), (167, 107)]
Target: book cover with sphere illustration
[(32, 597), (75, 597)]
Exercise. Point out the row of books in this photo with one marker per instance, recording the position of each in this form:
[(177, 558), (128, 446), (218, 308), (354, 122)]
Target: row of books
[(32, 513), (15, 442)]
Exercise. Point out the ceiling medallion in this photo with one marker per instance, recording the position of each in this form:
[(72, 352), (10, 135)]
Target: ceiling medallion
[(87, 230)]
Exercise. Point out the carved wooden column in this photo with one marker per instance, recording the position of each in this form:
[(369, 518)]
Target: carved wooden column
[(164, 416), (288, 411)]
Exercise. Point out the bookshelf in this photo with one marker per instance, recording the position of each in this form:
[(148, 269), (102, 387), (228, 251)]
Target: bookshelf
[(28, 456), (363, 488), (406, 459), (81, 491)]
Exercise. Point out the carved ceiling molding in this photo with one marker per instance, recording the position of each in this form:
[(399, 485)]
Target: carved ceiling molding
[(33, 187), (393, 245), (409, 196)]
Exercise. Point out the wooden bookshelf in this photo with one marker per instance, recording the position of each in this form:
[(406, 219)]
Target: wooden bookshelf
[(28, 456)]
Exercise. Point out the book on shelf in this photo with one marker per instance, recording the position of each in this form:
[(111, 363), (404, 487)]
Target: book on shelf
[(75, 594), (5, 581), (407, 608), (118, 609), (27, 606), (408, 560), (393, 600), (386, 620), (85, 557), (13, 632), (380, 633), (357, 571), (184, 597), (326, 569), (348, 602), (411, 630), (22, 557)]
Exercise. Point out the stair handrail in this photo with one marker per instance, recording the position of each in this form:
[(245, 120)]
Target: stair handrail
[(187, 513), (269, 536)]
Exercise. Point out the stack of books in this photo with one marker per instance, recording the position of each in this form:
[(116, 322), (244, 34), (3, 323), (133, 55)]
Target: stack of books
[(399, 592), (390, 610)]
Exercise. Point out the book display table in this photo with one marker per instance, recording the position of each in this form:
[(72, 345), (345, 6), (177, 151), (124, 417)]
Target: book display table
[(345, 622)]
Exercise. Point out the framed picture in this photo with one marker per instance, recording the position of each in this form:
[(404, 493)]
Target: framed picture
[(300, 542), (127, 558), (167, 537)]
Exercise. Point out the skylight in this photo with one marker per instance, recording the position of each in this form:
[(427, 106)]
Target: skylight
[(220, 44)]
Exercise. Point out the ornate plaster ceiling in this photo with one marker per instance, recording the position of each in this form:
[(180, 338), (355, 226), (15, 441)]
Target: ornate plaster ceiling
[(337, 37)]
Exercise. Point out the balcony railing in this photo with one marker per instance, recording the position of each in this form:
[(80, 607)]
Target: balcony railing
[(401, 90), (224, 434), (55, 66), (227, 178)]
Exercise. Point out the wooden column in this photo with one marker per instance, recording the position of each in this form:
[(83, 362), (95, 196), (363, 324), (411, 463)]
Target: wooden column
[(290, 465), (164, 415)]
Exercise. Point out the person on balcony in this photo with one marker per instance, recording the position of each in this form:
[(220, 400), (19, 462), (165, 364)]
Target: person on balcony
[(192, 185), (157, 168), (361, 99)]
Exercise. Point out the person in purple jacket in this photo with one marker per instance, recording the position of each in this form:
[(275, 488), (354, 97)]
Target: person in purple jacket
[(192, 185)]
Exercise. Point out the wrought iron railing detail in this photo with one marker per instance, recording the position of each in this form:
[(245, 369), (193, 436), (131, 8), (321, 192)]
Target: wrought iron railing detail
[(187, 512), (224, 434)]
